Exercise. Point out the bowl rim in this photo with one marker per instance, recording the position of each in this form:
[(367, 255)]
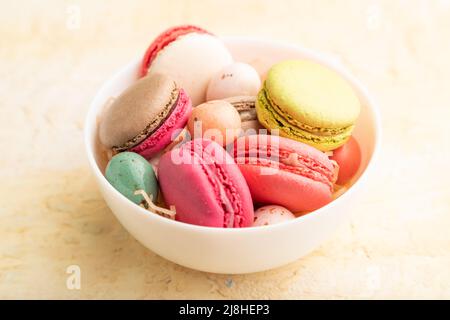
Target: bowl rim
[(320, 57)]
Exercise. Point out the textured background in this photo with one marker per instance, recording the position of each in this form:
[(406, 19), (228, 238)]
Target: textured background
[(54, 55)]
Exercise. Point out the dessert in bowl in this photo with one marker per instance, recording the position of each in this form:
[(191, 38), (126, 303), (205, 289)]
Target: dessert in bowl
[(248, 248)]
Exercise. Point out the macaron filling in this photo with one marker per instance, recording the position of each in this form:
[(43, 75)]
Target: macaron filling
[(154, 125), (226, 192), (300, 130)]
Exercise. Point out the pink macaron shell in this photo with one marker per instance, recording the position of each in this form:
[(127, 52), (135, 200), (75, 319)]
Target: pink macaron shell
[(191, 183), (163, 135), (292, 191), (274, 147), (305, 187), (189, 191)]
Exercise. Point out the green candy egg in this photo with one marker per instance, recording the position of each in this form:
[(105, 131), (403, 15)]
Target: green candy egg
[(128, 172)]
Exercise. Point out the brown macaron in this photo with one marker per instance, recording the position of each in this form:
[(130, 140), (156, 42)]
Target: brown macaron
[(143, 118), (245, 105)]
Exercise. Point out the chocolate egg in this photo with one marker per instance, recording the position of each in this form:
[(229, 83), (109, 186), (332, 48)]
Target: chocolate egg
[(237, 79), (269, 215), (128, 172), (216, 120)]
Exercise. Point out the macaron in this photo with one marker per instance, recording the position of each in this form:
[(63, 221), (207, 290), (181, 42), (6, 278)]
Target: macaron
[(188, 54), (129, 172), (204, 184), (237, 79), (144, 117), (348, 157), (269, 215), (308, 102), (245, 105), (216, 120), (285, 172)]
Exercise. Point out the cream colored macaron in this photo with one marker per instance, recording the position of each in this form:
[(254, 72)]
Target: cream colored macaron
[(192, 60)]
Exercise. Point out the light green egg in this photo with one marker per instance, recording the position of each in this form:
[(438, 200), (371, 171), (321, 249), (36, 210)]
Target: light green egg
[(128, 172)]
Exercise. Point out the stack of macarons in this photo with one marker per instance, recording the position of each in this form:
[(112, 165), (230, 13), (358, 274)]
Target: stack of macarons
[(201, 139)]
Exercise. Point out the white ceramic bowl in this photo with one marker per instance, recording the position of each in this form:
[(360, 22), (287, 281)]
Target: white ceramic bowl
[(236, 250)]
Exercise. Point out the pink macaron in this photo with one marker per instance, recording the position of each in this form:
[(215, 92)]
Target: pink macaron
[(188, 54), (145, 117), (205, 185), (285, 172)]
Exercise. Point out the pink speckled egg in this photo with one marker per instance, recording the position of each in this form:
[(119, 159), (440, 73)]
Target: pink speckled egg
[(268, 215), (216, 120), (237, 79)]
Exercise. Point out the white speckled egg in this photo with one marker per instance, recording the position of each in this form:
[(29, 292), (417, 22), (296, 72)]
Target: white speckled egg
[(269, 215), (237, 79)]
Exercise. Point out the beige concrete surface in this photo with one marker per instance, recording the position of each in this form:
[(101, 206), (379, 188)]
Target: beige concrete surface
[(54, 55)]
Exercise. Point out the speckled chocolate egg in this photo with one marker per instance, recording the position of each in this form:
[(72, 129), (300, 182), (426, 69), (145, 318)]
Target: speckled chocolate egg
[(269, 215), (128, 172), (237, 79), (216, 120)]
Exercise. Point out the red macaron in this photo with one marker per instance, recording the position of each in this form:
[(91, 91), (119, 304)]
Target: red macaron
[(285, 172)]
